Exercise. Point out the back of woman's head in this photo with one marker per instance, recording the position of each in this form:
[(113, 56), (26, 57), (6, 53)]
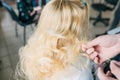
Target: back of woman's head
[(64, 17), (45, 54)]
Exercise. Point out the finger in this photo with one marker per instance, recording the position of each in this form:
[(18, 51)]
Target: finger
[(116, 62), (84, 47), (101, 74), (96, 60), (101, 59), (93, 43), (103, 65), (93, 55), (90, 51), (115, 69), (109, 74)]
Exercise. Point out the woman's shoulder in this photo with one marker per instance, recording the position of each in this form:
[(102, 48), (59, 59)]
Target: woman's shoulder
[(72, 73)]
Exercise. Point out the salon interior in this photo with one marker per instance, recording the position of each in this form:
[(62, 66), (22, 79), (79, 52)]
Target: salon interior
[(16, 27)]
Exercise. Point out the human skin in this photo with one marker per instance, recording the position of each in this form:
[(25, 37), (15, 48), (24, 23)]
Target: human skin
[(103, 48), (115, 69)]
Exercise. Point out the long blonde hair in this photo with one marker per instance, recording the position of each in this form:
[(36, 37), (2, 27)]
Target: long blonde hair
[(56, 43), (64, 17)]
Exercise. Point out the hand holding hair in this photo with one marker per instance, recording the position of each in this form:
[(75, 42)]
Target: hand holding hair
[(103, 48)]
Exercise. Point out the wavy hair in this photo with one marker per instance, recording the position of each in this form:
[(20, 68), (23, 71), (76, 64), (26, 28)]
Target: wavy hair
[(56, 43)]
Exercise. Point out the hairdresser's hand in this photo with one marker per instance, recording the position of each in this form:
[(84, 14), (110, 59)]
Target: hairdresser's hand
[(115, 69), (103, 47)]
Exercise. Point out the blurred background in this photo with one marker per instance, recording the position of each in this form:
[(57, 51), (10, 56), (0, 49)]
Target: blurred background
[(18, 20)]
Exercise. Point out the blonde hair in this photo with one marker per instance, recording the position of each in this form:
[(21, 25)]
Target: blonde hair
[(56, 44)]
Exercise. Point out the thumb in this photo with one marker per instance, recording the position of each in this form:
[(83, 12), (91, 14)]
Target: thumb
[(116, 62), (115, 68), (101, 74)]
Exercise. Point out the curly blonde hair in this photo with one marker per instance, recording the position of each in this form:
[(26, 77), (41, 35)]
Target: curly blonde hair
[(56, 44)]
